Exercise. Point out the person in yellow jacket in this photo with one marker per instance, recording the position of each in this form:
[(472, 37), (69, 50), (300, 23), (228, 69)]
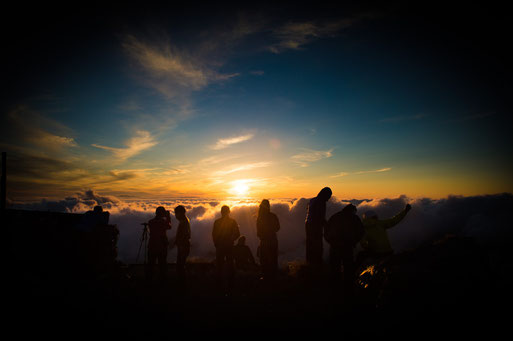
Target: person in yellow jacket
[(375, 241)]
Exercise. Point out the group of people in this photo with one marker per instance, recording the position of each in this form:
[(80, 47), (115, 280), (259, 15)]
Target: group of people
[(342, 231)]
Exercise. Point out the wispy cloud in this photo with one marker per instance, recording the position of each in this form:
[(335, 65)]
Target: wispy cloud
[(224, 143), (404, 118), (338, 175), (141, 141), (309, 155), (172, 71), (295, 35), (238, 168), (30, 127), (341, 174), (375, 171)]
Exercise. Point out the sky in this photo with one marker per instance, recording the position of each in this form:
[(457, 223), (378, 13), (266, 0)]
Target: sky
[(267, 101)]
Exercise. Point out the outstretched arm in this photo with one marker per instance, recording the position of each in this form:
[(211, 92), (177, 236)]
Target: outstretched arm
[(388, 223)]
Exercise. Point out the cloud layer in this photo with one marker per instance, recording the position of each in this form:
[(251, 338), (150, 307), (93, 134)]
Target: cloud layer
[(485, 218)]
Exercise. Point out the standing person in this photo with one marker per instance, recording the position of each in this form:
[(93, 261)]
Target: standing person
[(376, 243), (343, 232), (182, 239), (267, 226), (314, 225), (243, 256), (224, 234), (158, 242)]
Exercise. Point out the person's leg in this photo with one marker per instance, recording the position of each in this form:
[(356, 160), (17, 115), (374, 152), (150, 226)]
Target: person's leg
[(349, 270), (335, 262), (230, 267), (162, 258), (273, 259), (152, 258), (181, 258)]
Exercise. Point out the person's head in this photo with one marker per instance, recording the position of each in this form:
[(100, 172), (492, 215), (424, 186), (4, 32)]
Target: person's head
[(225, 211), (241, 241), (265, 207), (325, 194), (179, 212), (160, 211), (349, 209), (98, 209), (370, 215)]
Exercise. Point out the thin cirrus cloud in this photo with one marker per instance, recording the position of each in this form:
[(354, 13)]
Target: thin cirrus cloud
[(341, 174), (239, 168), (140, 142), (171, 71), (309, 155), (295, 35), (225, 143)]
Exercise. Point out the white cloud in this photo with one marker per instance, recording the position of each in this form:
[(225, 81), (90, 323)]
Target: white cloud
[(171, 71), (238, 168), (141, 141), (309, 155), (294, 35), (224, 143), (374, 171)]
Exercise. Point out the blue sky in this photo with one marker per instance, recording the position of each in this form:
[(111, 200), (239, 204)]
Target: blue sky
[(370, 101)]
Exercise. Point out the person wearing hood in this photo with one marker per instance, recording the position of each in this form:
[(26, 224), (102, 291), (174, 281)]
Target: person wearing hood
[(343, 232), (314, 226), (375, 242)]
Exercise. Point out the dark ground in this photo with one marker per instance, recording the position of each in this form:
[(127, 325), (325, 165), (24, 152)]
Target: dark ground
[(446, 288)]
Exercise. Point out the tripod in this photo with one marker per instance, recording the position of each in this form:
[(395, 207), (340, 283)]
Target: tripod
[(144, 240)]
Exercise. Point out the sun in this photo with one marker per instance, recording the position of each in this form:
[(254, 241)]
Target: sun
[(240, 188)]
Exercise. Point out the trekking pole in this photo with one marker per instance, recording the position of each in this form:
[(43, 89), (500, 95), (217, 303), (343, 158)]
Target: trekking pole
[(144, 240)]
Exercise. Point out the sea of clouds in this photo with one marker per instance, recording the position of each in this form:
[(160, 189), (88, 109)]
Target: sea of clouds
[(486, 218)]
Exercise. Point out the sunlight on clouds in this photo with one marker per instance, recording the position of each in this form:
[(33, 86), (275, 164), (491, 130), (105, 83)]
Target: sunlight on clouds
[(375, 171), (309, 155), (171, 71), (142, 141), (238, 168), (224, 143), (240, 188)]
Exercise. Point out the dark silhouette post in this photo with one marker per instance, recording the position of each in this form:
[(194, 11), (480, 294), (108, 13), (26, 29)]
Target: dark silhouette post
[(4, 181)]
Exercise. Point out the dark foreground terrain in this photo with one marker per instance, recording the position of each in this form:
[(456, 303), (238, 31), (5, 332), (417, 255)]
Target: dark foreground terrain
[(448, 288)]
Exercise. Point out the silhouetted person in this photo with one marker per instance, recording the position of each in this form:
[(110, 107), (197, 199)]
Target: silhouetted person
[(94, 218), (375, 242), (243, 256), (315, 223), (98, 239), (343, 232), (224, 234), (267, 226), (158, 242), (182, 239)]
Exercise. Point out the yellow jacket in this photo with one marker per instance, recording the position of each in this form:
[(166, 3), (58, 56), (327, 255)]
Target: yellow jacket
[(376, 240)]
